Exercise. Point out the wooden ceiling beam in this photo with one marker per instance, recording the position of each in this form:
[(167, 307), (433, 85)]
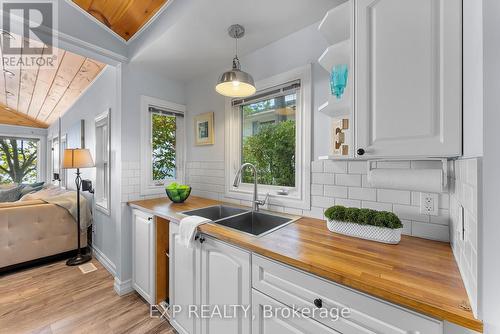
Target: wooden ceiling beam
[(11, 117)]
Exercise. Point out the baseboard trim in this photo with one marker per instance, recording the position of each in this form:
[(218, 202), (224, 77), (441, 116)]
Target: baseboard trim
[(122, 288), (104, 260)]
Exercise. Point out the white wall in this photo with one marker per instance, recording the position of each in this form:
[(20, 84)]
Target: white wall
[(41, 134), (135, 81), (296, 50), (100, 96), (490, 227)]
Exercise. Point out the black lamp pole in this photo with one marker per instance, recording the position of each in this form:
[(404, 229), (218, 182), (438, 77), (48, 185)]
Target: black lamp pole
[(79, 258)]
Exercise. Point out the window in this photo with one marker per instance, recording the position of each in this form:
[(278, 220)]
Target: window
[(19, 160), (162, 144), (55, 162), (102, 157), (272, 130), (63, 172)]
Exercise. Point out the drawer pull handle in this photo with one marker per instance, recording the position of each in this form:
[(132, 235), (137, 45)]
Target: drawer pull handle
[(150, 218), (202, 239), (318, 303)]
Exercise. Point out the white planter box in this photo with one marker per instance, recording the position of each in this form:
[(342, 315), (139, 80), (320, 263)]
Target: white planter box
[(368, 232)]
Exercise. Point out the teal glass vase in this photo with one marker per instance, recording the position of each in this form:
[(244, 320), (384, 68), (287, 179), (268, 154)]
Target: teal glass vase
[(338, 80)]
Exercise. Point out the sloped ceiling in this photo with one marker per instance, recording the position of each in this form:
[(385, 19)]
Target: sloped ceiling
[(44, 94), (124, 17)]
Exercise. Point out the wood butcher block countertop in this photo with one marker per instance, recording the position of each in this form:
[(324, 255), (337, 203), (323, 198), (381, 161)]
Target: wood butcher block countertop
[(419, 274)]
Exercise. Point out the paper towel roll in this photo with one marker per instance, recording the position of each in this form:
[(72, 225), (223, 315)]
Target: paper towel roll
[(427, 180)]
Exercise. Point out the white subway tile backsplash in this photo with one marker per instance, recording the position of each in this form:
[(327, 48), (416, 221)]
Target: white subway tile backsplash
[(357, 167), (351, 180), (376, 206), (406, 227), (317, 189), (393, 164), (409, 212), (443, 217), (322, 202), (363, 193), (351, 203), (323, 178), (336, 191), (430, 231), (394, 196), (331, 166), (317, 166), (427, 164)]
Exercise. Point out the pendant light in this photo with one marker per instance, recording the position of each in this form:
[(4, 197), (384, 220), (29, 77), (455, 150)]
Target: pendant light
[(235, 82)]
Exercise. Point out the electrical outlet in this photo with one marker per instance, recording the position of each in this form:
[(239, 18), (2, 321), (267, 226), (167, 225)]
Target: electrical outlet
[(429, 204)]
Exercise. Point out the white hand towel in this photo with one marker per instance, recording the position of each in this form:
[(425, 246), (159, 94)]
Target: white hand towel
[(187, 229)]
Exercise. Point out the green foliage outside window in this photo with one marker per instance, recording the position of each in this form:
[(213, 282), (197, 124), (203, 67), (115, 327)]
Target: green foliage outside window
[(272, 151), (164, 141), (18, 160)]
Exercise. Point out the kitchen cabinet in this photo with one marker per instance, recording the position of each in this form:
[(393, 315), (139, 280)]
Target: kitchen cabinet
[(407, 77), (143, 255), (266, 323), (184, 282), (408, 84), (210, 273), (225, 280)]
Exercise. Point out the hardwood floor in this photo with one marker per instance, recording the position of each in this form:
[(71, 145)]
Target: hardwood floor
[(55, 298)]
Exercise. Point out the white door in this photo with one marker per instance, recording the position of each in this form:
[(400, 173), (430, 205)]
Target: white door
[(272, 317), (143, 260), (408, 78), (225, 281), (184, 281)]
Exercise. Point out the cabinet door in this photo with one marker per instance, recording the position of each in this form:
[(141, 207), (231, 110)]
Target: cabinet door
[(184, 282), (143, 259), (272, 317), (408, 78), (226, 281)]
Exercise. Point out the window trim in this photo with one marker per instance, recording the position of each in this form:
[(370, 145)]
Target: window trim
[(147, 187), (98, 120), (302, 197), (63, 172)]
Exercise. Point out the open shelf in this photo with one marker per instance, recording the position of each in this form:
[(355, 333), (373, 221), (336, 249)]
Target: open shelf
[(339, 53), (336, 25)]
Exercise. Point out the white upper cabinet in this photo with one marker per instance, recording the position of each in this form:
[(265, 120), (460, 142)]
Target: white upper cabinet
[(408, 86)]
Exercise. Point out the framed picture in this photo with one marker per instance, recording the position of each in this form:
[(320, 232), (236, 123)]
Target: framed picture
[(204, 129)]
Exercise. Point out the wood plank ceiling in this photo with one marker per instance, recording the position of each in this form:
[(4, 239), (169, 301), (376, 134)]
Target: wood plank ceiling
[(124, 17), (40, 94)]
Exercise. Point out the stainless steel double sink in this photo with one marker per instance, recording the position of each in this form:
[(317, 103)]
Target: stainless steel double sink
[(256, 223)]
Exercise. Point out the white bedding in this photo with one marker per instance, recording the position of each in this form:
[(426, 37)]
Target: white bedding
[(65, 199)]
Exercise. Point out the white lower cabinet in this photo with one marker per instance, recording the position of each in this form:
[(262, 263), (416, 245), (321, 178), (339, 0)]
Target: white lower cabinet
[(143, 255), (272, 317), (206, 282), (300, 290)]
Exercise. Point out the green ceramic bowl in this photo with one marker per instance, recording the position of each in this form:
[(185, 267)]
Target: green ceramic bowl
[(178, 195)]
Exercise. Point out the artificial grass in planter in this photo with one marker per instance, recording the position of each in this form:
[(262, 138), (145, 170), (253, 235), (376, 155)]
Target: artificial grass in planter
[(364, 217)]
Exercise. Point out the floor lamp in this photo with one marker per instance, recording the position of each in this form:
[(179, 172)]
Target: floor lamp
[(78, 158)]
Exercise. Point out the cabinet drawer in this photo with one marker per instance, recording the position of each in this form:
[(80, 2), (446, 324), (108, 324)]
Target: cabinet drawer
[(298, 289), (281, 322)]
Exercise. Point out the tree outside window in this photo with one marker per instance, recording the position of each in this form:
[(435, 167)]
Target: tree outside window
[(18, 160), (164, 143), (268, 140)]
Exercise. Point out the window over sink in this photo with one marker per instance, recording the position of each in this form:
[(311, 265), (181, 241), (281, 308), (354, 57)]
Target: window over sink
[(272, 130)]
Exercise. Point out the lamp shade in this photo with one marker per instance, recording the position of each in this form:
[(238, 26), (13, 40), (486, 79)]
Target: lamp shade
[(77, 158), (235, 83)]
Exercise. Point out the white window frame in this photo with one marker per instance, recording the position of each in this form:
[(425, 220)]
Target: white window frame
[(63, 172), (53, 163), (299, 196), (103, 119), (148, 187)]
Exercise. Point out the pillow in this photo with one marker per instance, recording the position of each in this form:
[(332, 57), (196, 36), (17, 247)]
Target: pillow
[(11, 195), (33, 185), (30, 189)]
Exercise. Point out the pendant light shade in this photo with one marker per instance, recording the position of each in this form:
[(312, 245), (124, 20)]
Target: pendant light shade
[(235, 82)]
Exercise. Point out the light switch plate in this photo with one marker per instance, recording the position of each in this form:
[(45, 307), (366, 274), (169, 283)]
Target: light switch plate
[(429, 204)]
